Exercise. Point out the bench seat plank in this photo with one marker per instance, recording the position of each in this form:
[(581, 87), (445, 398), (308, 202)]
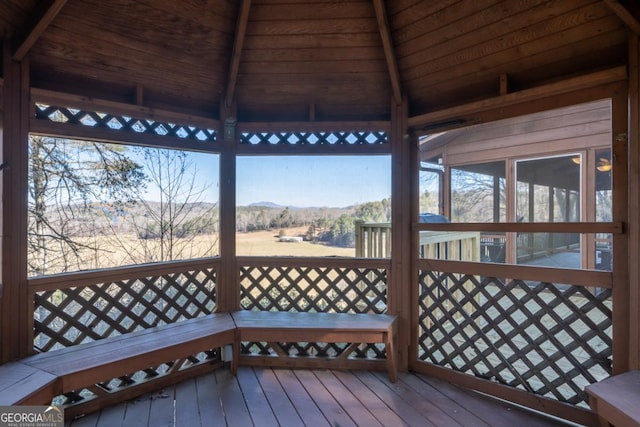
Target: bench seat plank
[(287, 320), (617, 399), (24, 384), (86, 364), (269, 326)]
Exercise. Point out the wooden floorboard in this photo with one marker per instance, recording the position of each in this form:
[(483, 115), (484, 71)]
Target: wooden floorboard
[(492, 412), (209, 398), (235, 409), (396, 403), (426, 407), (370, 400), (327, 404), (284, 397), (187, 412), (350, 403), (304, 404), (256, 399), (162, 408), (112, 416), (282, 407), (137, 412), (452, 408)]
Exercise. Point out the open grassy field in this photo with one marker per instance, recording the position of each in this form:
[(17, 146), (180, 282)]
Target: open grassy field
[(110, 251), (266, 243)]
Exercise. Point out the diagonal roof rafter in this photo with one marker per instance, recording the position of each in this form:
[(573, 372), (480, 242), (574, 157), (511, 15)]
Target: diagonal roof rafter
[(238, 44), (389, 52), (628, 12), (42, 18)]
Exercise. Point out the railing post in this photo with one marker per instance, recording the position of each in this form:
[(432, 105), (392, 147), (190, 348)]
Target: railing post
[(228, 287), (16, 312), (359, 238), (402, 280)]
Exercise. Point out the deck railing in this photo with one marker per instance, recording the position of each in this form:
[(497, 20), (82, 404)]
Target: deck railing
[(502, 323), (338, 285), (70, 309), (73, 308), (548, 338), (373, 240)]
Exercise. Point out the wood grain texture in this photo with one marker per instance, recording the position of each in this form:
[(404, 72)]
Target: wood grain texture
[(616, 398), (320, 397), (39, 25), (448, 52), (277, 327), (23, 384), (83, 365), (634, 195), (329, 55)]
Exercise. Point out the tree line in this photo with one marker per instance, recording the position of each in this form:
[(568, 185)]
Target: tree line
[(88, 207), (333, 226), (87, 199)]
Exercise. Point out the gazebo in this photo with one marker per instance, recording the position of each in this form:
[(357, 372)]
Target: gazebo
[(517, 121)]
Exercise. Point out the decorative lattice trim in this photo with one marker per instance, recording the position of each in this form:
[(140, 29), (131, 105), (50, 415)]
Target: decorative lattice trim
[(124, 123), (314, 138)]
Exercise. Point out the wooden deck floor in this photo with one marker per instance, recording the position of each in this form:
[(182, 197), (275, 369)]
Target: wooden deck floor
[(271, 397)]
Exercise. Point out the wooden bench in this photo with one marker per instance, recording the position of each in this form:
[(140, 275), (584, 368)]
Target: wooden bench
[(84, 365), (279, 327), (37, 379), (616, 399), (22, 384)]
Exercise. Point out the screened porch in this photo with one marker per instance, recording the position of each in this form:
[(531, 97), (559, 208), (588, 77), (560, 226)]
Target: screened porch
[(463, 172)]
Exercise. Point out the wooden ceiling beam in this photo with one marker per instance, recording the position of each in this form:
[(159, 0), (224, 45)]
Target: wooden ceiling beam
[(389, 52), (457, 115), (238, 44), (51, 97), (42, 19), (628, 12)]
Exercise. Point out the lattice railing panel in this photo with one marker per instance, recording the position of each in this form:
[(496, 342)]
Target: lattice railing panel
[(548, 339), (71, 316), (123, 123), (314, 138), (316, 289)]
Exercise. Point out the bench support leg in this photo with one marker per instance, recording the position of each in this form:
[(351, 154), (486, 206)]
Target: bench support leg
[(235, 358), (593, 403), (390, 349)]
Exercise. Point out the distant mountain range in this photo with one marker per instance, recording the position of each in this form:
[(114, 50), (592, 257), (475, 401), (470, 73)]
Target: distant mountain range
[(266, 205), (271, 205)]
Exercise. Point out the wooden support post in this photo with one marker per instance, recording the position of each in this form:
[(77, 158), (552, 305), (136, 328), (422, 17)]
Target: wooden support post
[(634, 201), (15, 308), (228, 287), (622, 328), (550, 214), (588, 207), (567, 210), (511, 240), (404, 191), (496, 199), (531, 213)]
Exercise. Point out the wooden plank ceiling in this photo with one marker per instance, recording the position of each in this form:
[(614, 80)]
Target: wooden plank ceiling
[(311, 59)]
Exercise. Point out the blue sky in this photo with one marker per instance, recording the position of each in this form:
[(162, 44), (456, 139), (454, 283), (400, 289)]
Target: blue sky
[(322, 181), (300, 181)]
